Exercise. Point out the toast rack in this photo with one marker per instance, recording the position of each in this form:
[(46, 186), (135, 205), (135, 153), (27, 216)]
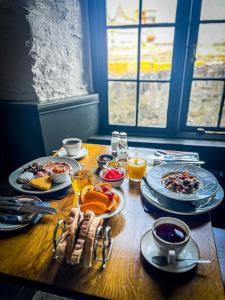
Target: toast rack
[(102, 246)]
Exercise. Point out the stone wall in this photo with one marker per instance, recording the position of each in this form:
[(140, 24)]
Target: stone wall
[(44, 52)]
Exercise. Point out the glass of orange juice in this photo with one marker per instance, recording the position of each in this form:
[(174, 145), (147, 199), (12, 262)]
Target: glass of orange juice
[(136, 168), (80, 179)]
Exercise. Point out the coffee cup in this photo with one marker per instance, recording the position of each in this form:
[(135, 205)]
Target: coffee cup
[(171, 236), (72, 146)]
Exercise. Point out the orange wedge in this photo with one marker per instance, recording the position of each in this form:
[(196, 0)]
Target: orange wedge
[(96, 207), (116, 198), (93, 196), (113, 205), (84, 191)]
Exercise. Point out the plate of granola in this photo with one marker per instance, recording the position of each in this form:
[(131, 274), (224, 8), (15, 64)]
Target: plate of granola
[(180, 181)]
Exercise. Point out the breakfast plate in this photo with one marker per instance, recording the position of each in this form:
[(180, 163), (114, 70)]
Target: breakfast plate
[(119, 208), (149, 249), (207, 181), (178, 207), (13, 177), (83, 152)]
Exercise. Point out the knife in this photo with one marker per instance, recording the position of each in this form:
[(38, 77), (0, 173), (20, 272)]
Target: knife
[(28, 209), (21, 202)]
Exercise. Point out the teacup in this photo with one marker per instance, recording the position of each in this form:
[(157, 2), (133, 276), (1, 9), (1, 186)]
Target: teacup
[(72, 146), (171, 236)]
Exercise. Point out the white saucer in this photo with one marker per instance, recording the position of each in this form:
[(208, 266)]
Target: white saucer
[(149, 249), (83, 152)]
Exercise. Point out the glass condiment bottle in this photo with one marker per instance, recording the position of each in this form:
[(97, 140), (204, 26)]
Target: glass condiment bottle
[(122, 149), (114, 143)]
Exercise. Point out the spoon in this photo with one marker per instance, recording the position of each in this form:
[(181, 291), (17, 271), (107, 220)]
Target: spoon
[(163, 261)]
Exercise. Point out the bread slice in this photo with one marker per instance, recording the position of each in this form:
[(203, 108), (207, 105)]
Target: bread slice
[(72, 228), (79, 244), (61, 247), (89, 243)]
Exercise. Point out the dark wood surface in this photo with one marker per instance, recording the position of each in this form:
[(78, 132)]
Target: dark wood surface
[(27, 256)]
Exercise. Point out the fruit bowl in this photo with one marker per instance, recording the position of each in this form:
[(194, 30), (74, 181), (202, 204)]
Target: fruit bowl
[(102, 199), (114, 176)]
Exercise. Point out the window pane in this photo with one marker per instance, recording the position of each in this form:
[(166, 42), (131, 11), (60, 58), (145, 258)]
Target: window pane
[(122, 53), (122, 12), (222, 123), (153, 103), (205, 103), (122, 103), (155, 11), (210, 55), (213, 10), (156, 53)]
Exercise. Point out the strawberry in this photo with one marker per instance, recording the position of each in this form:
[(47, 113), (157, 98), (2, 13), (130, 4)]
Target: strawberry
[(110, 195), (105, 188)]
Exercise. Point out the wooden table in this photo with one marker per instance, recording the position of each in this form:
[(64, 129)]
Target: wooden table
[(27, 257)]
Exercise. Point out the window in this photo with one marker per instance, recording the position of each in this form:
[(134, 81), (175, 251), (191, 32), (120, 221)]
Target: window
[(205, 109), (159, 66)]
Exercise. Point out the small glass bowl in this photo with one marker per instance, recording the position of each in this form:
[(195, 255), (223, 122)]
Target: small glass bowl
[(101, 162)]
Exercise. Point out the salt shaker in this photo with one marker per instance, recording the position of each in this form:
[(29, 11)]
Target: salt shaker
[(114, 143), (122, 149)]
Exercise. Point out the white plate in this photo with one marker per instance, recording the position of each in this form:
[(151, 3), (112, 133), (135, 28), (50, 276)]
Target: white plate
[(120, 207), (149, 249), (56, 187), (83, 152), (181, 208), (207, 188)]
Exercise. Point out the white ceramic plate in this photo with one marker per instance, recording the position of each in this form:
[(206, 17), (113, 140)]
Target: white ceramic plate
[(56, 187), (120, 207), (207, 188), (149, 249), (181, 208), (83, 152)]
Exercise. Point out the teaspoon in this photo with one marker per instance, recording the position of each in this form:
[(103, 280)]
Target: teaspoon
[(163, 261)]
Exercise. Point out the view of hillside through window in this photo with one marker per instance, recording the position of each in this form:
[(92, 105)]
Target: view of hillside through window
[(150, 76)]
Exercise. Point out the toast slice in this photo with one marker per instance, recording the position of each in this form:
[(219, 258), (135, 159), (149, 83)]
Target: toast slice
[(79, 244), (89, 243)]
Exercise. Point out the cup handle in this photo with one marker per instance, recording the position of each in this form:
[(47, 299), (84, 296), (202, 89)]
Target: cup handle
[(171, 257)]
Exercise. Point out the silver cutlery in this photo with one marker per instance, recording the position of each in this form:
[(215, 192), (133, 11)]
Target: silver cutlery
[(17, 205), (176, 154), (163, 261), (12, 218), (175, 159), (19, 201), (28, 209)]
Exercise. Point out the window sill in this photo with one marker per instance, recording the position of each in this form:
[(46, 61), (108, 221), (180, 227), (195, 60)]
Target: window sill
[(160, 142)]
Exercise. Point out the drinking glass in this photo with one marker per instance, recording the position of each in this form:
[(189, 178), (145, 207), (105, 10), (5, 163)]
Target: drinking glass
[(80, 179), (136, 168)]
